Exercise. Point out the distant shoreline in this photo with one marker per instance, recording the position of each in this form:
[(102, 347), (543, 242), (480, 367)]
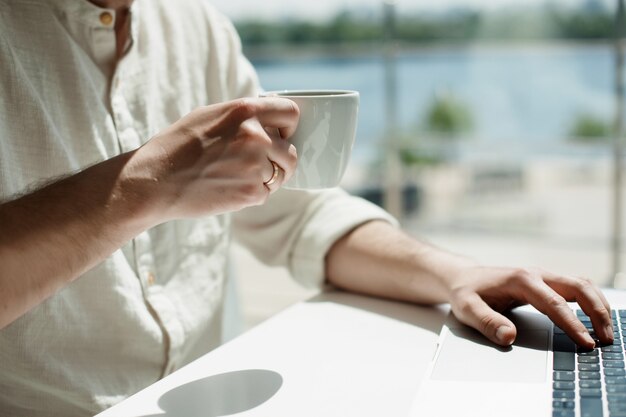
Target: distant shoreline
[(371, 49)]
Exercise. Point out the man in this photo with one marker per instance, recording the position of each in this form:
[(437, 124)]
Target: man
[(126, 152)]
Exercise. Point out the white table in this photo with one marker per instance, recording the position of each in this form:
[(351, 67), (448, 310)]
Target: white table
[(337, 354)]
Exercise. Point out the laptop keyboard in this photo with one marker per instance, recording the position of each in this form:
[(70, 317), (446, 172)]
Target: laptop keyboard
[(589, 383)]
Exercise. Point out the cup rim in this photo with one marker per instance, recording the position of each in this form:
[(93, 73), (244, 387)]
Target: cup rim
[(309, 93)]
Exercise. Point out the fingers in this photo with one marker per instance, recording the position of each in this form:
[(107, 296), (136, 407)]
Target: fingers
[(273, 112), (473, 311), (547, 292), (590, 299), (283, 153), (277, 178), (275, 119), (554, 305)]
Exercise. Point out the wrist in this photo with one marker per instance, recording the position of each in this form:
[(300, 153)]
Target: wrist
[(458, 274), (137, 189), (447, 271)]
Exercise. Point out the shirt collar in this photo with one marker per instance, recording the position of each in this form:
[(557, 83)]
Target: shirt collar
[(91, 15), (84, 11)]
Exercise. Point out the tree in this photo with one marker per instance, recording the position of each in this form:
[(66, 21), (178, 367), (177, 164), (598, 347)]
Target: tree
[(590, 128), (448, 116)]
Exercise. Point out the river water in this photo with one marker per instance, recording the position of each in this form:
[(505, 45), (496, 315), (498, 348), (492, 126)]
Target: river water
[(517, 94)]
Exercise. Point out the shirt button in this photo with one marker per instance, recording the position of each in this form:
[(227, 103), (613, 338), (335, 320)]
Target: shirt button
[(150, 278), (106, 18)]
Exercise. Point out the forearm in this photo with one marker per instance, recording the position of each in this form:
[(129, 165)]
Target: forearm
[(53, 235), (380, 260), (213, 160)]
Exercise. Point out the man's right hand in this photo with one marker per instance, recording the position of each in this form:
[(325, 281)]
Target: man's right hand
[(218, 158)]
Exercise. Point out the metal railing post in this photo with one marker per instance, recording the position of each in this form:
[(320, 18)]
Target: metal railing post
[(618, 144), (392, 200)]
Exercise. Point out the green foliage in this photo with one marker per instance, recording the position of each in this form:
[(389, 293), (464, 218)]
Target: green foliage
[(575, 24), (524, 22), (463, 26), (343, 28), (448, 116), (416, 157), (590, 128)]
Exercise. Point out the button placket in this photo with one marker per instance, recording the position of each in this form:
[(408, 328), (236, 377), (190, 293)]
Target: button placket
[(129, 139), (150, 278), (145, 260), (166, 312), (102, 37)]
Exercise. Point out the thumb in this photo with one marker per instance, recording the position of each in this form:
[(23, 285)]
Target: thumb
[(474, 312)]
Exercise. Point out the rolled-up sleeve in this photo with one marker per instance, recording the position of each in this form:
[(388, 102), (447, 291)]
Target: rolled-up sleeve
[(294, 229), (297, 228)]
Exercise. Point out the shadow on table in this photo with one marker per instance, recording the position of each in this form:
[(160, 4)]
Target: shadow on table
[(532, 331), (221, 395), (430, 318)]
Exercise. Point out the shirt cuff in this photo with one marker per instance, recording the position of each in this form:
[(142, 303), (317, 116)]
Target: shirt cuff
[(338, 216)]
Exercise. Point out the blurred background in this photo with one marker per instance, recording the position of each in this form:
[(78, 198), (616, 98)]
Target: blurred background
[(490, 128)]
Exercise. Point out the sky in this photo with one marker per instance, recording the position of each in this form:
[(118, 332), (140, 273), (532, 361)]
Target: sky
[(322, 9)]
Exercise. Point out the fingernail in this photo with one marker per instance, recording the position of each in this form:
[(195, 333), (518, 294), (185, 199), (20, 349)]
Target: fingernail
[(609, 332), (588, 338), (503, 334)]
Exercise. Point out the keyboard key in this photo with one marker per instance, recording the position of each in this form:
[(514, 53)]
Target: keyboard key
[(591, 407), (614, 407), (590, 375), (563, 361), (612, 356), (563, 375), (612, 364), (619, 397), (564, 349), (593, 352), (615, 380), (591, 392), (562, 343), (612, 348), (563, 385), (590, 359), (563, 404), (570, 395), (589, 384), (563, 413), (583, 367), (613, 389), (614, 372)]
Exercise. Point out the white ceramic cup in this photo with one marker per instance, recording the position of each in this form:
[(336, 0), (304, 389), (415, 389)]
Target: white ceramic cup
[(324, 136)]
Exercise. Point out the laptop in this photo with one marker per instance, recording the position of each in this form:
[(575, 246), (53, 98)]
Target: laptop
[(542, 374)]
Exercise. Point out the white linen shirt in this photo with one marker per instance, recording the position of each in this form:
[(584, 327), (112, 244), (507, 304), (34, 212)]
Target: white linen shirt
[(155, 304)]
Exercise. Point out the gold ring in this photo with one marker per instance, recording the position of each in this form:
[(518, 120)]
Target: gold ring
[(274, 174)]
